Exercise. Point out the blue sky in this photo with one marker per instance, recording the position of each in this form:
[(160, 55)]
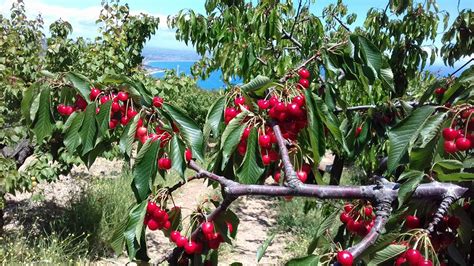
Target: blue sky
[(83, 13)]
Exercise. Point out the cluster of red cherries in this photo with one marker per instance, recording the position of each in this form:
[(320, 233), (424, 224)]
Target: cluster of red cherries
[(358, 219), (289, 112), (460, 136), (156, 218), (413, 257), (67, 110), (302, 174)]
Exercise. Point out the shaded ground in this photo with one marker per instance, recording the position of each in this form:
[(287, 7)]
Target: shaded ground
[(257, 215)]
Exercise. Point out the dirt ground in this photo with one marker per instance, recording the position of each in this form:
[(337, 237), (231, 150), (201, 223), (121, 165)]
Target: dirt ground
[(257, 216)]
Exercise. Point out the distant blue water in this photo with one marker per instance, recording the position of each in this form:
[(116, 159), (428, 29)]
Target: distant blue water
[(214, 81)]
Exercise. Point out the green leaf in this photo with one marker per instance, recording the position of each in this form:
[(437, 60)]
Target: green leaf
[(252, 168), (257, 86), (422, 158), (44, 121), (404, 134), (432, 128), (455, 177), (128, 136), (466, 226), (449, 164), (387, 253), (88, 130), (144, 169), (118, 239), (177, 155), (26, 103), (72, 139), (430, 90), (329, 119), (214, 118), (81, 84), (369, 52), (386, 75), (190, 131), (455, 254), (406, 189), (328, 222), (262, 248), (311, 260), (315, 129), (134, 228), (103, 117), (231, 137)]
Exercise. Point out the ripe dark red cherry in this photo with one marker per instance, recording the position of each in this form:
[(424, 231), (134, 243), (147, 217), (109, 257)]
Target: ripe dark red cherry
[(280, 107), (230, 112), (141, 131), (450, 133), (413, 256), (304, 73), (273, 100), (188, 155), (345, 217), (439, 91), (345, 258), (164, 163), (207, 228), (230, 228), (304, 83), (151, 207), (113, 123), (190, 247), (239, 100), (294, 109), (348, 207), (264, 141), (302, 176), (94, 93), (276, 176), (400, 261), (174, 235), (454, 222), (124, 120), (450, 146), (115, 107), (463, 144), (266, 159), (104, 99), (181, 241), (61, 109), (368, 211), (425, 262), (153, 224), (357, 131), (246, 133), (122, 96), (157, 101), (263, 104), (412, 222), (299, 100)]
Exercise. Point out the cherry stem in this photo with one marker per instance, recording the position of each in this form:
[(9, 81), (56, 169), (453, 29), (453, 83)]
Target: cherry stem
[(467, 123)]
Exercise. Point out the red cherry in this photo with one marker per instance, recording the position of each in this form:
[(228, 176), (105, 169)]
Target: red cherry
[(181, 241), (425, 262), (354, 226), (159, 214), (302, 176), (304, 83), (239, 100), (412, 222), (345, 217), (124, 120), (167, 225), (273, 155), (190, 247), (264, 141), (294, 109), (273, 100), (131, 113), (348, 207), (450, 133), (113, 123), (345, 258), (207, 228), (246, 133), (94, 93), (115, 107), (141, 131), (153, 224), (151, 207), (280, 107), (263, 104), (439, 91), (242, 148), (188, 155), (454, 222), (230, 228), (104, 99), (61, 109), (80, 102), (400, 261), (69, 110), (303, 73), (164, 163), (463, 144), (266, 159), (157, 101), (368, 211), (413, 256), (299, 100), (175, 235), (450, 147), (357, 131), (276, 176), (122, 96), (230, 112)]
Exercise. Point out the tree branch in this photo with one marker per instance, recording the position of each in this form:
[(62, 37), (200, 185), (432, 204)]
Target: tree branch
[(287, 35), (290, 173), (448, 198)]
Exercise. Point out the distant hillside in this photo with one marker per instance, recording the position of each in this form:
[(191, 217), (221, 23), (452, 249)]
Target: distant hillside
[(162, 54)]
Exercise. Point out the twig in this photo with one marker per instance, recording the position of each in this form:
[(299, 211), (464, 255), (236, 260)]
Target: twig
[(461, 67), (286, 35), (296, 18), (340, 23)]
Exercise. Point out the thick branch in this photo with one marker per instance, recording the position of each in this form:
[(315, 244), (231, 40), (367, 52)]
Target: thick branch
[(290, 174), (448, 198)]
